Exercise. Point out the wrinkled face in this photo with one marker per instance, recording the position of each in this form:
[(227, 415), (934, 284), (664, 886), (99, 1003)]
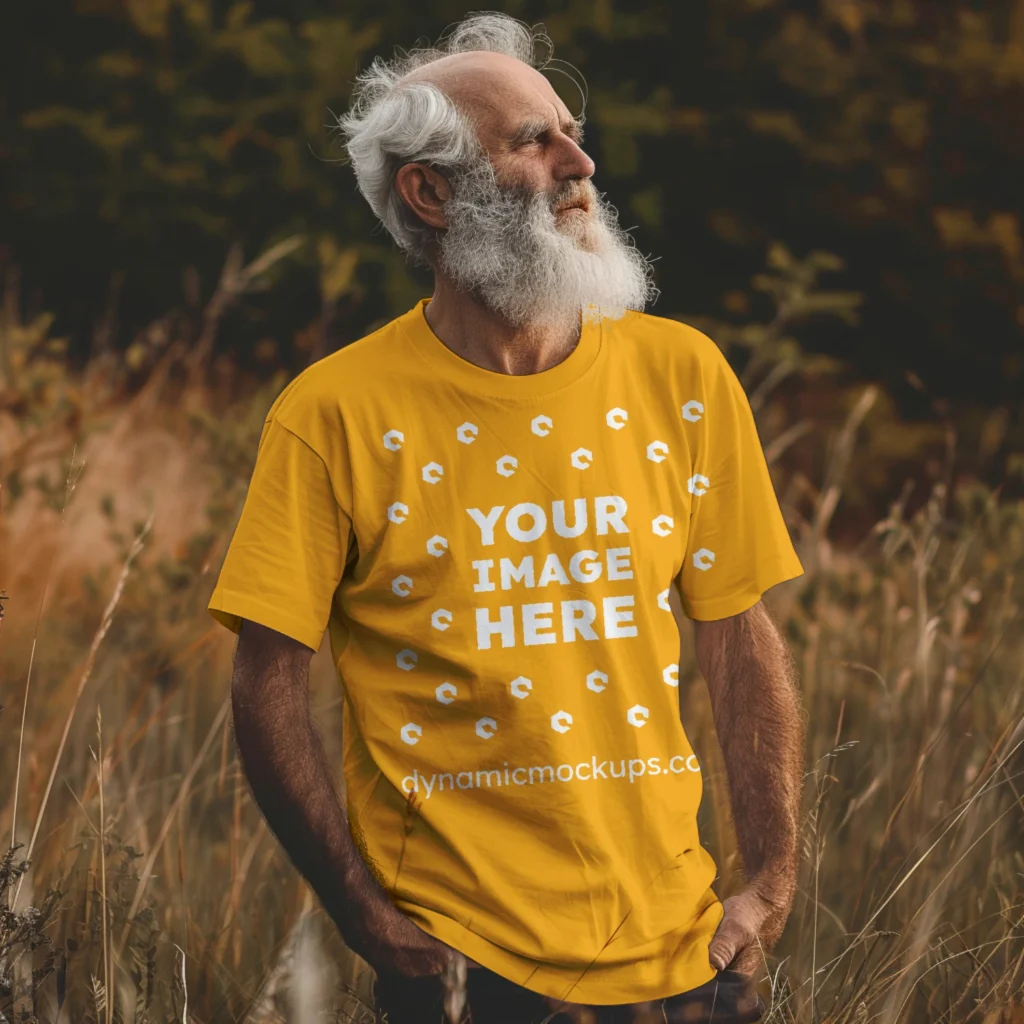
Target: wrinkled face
[(535, 145), (524, 230), (531, 139)]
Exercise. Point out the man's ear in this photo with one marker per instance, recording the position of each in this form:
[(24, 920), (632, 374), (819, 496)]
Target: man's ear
[(425, 191)]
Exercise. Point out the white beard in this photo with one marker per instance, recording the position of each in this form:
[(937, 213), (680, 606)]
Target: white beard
[(504, 246)]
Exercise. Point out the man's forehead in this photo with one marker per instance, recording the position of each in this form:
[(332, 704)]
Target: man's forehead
[(498, 91)]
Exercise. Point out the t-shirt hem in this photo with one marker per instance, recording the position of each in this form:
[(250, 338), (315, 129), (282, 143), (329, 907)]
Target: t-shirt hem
[(230, 608), (707, 610), (614, 987)]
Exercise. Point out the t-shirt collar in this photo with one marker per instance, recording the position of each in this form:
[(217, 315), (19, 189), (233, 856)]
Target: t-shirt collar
[(451, 366)]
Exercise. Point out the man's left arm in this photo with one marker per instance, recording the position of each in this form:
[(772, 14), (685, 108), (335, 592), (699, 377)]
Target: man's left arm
[(759, 721)]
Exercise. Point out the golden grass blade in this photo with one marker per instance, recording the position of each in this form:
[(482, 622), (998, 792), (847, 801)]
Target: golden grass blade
[(97, 640), (183, 790), (107, 966), (921, 860), (69, 488)]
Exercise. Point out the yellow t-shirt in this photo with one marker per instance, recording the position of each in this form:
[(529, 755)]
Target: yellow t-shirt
[(492, 555)]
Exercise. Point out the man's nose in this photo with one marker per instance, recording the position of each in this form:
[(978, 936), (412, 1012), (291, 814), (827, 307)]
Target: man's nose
[(574, 163)]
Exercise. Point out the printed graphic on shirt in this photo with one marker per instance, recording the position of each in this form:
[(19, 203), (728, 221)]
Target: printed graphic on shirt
[(520, 600), (494, 557)]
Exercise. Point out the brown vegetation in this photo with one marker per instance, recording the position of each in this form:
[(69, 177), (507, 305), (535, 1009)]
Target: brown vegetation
[(147, 887)]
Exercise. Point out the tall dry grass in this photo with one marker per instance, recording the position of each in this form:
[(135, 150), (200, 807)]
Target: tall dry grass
[(142, 884)]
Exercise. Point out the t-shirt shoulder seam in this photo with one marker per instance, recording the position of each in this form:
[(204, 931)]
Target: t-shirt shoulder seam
[(277, 421)]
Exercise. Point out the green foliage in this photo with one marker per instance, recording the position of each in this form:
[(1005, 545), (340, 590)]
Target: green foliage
[(154, 134), (143, 137)]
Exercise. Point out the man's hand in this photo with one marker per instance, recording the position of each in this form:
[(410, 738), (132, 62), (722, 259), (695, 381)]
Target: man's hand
[(291, 780), (748, 927), (391, 943)]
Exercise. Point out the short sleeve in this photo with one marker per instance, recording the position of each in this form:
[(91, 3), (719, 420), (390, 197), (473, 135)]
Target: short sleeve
[(287, 553), (738, 545)]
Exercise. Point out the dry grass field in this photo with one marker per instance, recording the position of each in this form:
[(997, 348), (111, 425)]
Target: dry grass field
[(143, 885)]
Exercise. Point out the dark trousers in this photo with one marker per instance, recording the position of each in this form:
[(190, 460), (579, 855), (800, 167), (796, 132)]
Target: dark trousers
[(728, 998)]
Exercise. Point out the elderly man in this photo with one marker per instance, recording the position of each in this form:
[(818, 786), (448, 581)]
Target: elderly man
[(488, 503)]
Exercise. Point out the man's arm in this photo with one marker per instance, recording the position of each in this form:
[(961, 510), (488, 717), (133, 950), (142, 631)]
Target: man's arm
[(290, 777), (759, 720)]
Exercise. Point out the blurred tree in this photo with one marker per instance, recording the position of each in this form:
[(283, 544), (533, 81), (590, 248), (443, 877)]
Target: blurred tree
[(140, 138)]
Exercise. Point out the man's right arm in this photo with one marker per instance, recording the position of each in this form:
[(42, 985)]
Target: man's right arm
[(288, 771)]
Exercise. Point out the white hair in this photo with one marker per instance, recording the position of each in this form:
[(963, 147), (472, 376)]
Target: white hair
[(391, 123), (505, 246)]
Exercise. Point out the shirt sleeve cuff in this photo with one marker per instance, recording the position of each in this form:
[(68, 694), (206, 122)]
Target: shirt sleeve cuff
[(707, 609), (230, 608)]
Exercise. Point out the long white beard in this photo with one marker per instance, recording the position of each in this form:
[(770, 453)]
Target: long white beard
[(504, 246)]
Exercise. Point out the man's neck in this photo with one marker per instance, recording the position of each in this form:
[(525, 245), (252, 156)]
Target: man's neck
[(480, 336)]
